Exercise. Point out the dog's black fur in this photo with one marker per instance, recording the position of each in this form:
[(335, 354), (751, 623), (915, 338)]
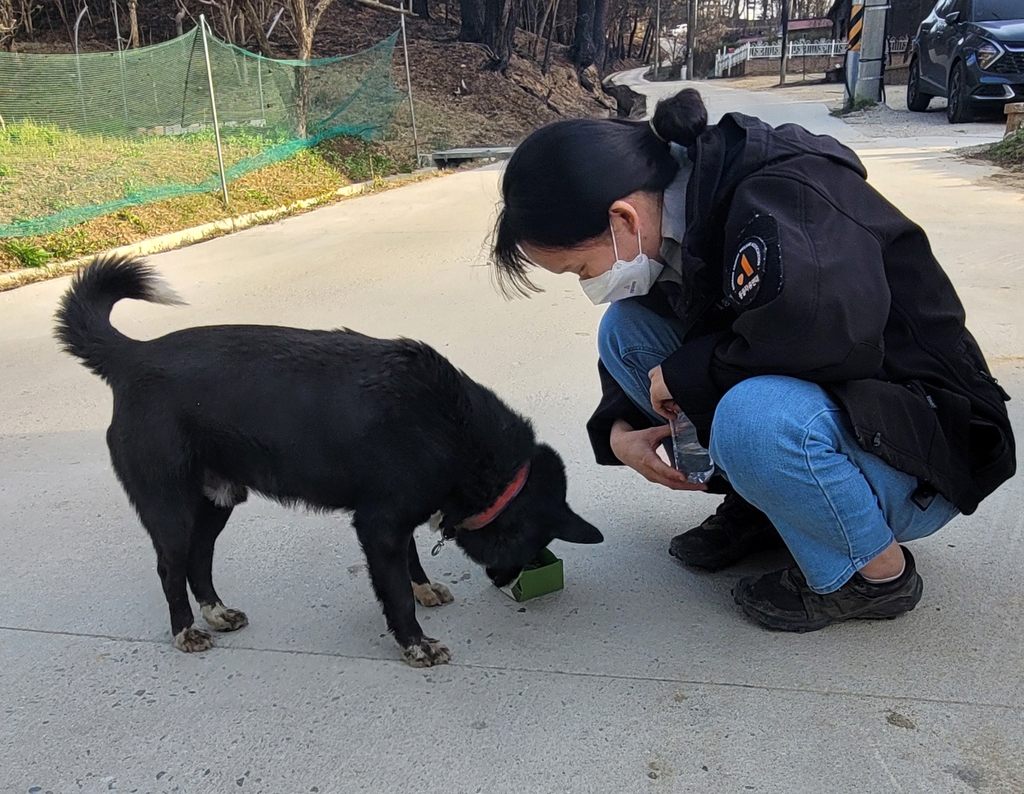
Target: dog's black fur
[(332, 420)]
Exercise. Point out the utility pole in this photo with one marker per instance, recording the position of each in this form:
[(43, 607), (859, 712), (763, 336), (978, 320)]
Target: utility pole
[(691, 30), (657, 39), (868, 84), (783, 54)]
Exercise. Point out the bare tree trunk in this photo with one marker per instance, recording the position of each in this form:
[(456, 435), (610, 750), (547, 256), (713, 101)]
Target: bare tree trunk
[(253, 17), (24, 17), (583, 45), (133, 23), (179, 18), (598, 39), (645, 42), (302, 83), (500, 30), (472, 26), (8, 24), (540, 27), (547, 46), (63, 13), (304, 24)]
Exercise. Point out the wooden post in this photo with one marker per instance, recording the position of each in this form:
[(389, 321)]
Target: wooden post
[(1014, 117)]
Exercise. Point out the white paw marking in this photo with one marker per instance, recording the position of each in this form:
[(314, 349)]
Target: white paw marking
[(427, 654), (220, 618), (432, 594), (192, 640)]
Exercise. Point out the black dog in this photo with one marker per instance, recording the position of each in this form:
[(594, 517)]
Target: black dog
[(332, 420)]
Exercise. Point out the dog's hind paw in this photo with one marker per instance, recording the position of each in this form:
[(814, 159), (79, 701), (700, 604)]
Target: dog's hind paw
[(427, 653), (432, 594), (192, 640), (220, 618)]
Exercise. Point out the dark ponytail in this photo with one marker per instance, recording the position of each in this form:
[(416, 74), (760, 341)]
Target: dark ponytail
[(561, 181), (682, 118)]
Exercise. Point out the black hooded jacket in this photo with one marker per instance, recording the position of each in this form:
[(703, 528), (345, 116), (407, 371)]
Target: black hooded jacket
[(793, 265)]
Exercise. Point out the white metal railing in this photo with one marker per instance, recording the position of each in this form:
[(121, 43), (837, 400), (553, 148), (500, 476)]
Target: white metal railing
[(727, 60), (898, 46)]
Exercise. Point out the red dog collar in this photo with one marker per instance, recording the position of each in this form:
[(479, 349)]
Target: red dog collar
[(481, 520)]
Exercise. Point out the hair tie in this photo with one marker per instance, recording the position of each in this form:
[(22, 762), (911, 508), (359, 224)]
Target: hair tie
[(656, 133)]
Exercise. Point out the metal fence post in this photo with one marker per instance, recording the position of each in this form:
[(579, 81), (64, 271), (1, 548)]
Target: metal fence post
[(78, 65), (213, 106), (408, 83), (120, 61), (259, 79)]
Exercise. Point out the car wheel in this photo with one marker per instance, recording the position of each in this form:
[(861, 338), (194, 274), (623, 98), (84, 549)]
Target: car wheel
[(917, 100), (958, 111)]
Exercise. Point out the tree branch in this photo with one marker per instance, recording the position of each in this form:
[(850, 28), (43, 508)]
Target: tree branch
[(318, 12), (383, 7)]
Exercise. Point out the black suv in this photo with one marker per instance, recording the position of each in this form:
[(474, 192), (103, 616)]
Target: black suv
[(972, 52)]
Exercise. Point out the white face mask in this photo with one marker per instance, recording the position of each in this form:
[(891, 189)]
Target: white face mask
[(624, 279)]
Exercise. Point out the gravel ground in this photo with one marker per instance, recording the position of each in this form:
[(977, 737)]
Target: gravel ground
[(891, 120)]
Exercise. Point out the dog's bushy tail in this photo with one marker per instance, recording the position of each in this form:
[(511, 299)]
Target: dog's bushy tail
[(83, 318)]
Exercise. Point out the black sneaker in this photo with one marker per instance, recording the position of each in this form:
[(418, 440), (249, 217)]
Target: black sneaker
[(782, 600), (736, 530)]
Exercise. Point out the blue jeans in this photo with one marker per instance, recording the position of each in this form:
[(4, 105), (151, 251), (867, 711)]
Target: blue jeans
[(787, 448)]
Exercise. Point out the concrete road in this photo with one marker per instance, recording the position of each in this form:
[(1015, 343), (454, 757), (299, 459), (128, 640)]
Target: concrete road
[(809, 104), (639, 677)]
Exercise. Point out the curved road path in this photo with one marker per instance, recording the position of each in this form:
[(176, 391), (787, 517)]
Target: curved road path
[(639, 677)]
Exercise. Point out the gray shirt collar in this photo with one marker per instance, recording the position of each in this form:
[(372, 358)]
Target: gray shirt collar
[(673, 210), (673, 218)]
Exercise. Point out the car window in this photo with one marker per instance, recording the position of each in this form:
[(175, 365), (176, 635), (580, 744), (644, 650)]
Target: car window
[(963, 6), (994, 10)]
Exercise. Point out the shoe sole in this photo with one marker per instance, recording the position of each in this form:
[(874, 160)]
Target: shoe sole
[(892, 610), (781, 625)]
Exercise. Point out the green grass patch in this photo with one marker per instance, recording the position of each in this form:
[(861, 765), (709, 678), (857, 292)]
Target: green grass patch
[(1009, 152), (856, 107), (26, 254), (45, 170)]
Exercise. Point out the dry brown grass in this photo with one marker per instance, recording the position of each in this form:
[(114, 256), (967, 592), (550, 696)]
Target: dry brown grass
[(310, 173)]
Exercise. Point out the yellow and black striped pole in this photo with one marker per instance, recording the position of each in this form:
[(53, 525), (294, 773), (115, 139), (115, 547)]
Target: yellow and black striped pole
[(853, 40), (869, 35), (865, 51), (856, 27)]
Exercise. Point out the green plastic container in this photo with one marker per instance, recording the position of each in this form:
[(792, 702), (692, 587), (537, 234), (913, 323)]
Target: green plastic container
[(544, 575)]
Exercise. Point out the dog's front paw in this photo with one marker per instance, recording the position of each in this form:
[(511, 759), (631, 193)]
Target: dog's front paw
[(432, 594), (192, 640), (220, 618), (427, 653)]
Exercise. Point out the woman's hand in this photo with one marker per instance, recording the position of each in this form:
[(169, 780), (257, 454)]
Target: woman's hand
[(638, 450), (661, 401)]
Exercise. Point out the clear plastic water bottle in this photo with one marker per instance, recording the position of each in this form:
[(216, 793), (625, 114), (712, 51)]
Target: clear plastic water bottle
[(689, 456)]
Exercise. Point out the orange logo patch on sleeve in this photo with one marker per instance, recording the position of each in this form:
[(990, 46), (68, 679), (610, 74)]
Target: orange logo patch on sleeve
[(755, 276), (747, 275), (748, 271)]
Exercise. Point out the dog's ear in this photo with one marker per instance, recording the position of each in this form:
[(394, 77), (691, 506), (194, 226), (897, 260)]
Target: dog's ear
[(575, 530)]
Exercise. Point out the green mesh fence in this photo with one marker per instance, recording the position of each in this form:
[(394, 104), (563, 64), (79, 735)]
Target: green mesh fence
[(83, 136)]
